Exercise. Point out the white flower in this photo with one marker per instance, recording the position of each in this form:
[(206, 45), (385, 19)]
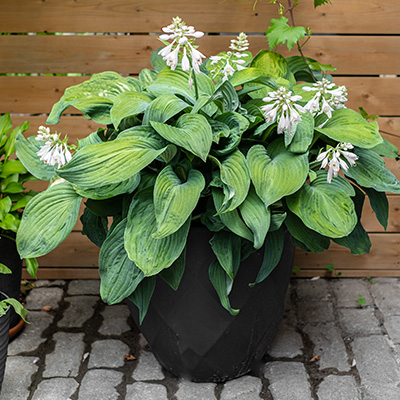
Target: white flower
[(185, 61), (334, 168), (172, 58)]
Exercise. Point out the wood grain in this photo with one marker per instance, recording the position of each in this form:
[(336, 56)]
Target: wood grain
[(352, 55), (343, 16)]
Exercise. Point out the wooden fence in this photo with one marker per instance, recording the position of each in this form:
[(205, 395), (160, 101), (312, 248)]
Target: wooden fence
[(361, 38)]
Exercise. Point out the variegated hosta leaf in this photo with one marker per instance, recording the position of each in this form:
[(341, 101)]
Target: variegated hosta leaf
[(149, 254), (119, 275), (226, 247), (163, 108), (231, 219), (236, 178), (26, 152), (174, 200), (256, 216), (370, 172), (93, 138), (192, 132), (107, 191), (47, 220), (347, 125), (225, 97), (255, 75), (276, 172), (128, 104), (325, 207), (113, 161), (94, 97)]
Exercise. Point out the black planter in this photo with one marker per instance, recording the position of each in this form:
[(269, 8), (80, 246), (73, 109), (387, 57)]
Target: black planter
[(190, 333), (4, 327), (11, 283)]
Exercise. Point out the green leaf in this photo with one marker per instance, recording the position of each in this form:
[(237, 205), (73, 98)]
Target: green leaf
[(142, 295), (10, 223), (128, 104), (94, 98), (347, 125), (11, 167), (4, 269), (221, 282), (157, 60), (146, 77), (369, 171), (192, 132), (149, 254), (236, 178), (23, 200), (225, 97), (173, 274), (325, 207), (26, 152), (281, 32), (94, 227), (5, 124), (253, 75), (163, 108), (9, 146), (12, 187), (272, 254), (226, 247), (5, 207), (174, 200), (231, 219), (106, 208), (47, 220), (93, 138), (304, 134), (379, 204), (276, 172), (31, 266), (386, 149), (119, 275), (18, 307), (277, 219), (256, 216), (365, 115), (321, 2), (219, 130), (114, 161)]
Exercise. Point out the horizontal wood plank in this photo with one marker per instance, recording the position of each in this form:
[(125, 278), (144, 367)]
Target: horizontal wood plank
[(63, 273), (343, 16), (37, 94), (352, 55)]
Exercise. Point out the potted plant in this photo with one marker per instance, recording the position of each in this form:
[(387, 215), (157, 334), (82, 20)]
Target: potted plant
[(13, 198), (204, 175)]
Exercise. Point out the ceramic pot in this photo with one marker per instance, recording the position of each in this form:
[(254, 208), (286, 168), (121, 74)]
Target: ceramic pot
[(4, 328), (194, 337)]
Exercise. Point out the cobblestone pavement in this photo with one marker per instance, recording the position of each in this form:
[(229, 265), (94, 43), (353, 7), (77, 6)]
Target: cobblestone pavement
[(328, 347)]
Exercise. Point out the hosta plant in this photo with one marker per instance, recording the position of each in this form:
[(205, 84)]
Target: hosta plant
[(245, 146)]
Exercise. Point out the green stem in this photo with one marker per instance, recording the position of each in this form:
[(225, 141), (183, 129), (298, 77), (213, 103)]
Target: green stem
[(8, 237)]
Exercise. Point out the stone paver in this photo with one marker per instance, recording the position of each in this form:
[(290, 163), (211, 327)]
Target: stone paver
[(315, 312), (287, 343), (100, 384), (30, 338), (115, 320), (84, 287), (392, 325), (66, 358), (347, 290), (329, 346), (108, 353), (195, 391), (288, 381), (17, 378), (56, 389), (80, 309), (335, 387), (361, 321), (386, 294), (142, 390), (147, 368), (41, 297), (313, 290), (46, 283), (244, 388)]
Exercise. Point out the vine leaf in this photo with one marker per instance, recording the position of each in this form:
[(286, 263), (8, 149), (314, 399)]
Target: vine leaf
[(281, 32)]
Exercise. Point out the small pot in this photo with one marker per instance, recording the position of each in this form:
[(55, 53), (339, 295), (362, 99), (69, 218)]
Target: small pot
[(4, 328)]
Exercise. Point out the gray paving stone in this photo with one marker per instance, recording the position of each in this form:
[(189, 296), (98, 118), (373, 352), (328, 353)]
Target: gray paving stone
[(315, 312), (283, 388), (47, 283), (55, 389), (377, 367), (80, 309), (386, 293), (359, 321), (287, 343), (346, 291), (40, 297), (329, 346), (17, 378), (30, 338), (148, 368), (318, 290), (66, 358), (392, 325), (142, 390), (84, 286), (335, 387), (195, 391), (100, 384), (115, 320), (108, 353), (244, 388)]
